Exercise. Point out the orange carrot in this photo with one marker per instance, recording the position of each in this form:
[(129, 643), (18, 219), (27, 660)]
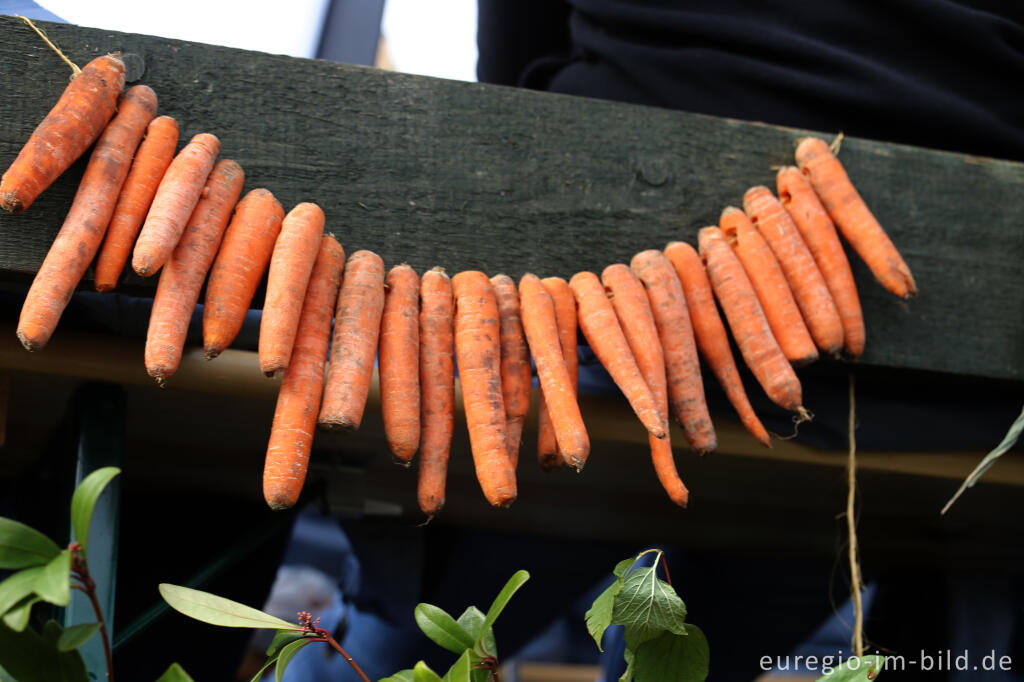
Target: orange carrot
[(151, 161), (182, 277), (478, 354), (400, 362), (675, 335), (356, 330), (82, 232), (802, 273), (516, 375), (633, 310), (710, 334), (437, 388), (852, 216), (604, 335), (541, 327), (819, 232), (298, 400), (770, 285), (749, 327), (239, 267), (565, 317), (291, 264), (71, 126), (175, 199)]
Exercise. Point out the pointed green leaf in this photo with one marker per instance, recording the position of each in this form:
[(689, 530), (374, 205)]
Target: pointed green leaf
[(599, 615), (461, 670), (175, 673), (77, 635), (400, 676), (70, 666), (623, 567), (442, 629), (860, 669), (499, 603), (22, 546), (673, 658), (84, 501), (422, 673), (17, 618), (286, 655), (281, 639), (472, 621), (627, 676), (16, 587), (53, 583), (209, 608), (647, 606)]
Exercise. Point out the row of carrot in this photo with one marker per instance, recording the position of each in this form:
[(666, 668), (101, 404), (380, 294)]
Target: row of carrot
[(776, 269)]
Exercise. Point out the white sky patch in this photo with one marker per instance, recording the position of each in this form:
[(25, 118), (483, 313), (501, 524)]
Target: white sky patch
[(435, 38)]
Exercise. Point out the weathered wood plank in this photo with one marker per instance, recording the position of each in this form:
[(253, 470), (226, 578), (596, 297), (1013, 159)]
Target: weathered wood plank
[(475, 176)]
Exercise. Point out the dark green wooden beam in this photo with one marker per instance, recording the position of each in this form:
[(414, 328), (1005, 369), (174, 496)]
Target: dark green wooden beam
[(466, 175)]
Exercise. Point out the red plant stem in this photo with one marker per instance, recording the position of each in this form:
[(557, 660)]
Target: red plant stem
[(324, 636), (664, 563), (81, 572)]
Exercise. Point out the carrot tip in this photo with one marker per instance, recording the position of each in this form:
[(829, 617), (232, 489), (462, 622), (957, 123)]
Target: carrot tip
[(338, 425), (277, 505), (210, 353), (10, 202), (29, 344), (104, 288), (404, 463)]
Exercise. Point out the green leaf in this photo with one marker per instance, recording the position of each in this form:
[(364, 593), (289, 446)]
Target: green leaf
[(647, 606), (18, 586), (53, 583), (472, 621), (461, 670), (623, 567), (209, 608), (17, 618), (30, 657), (599, 615), (70, 665), (856, 670), (400, 676), (281, 639), (84, 501), (442, 629), (499, 603), (175, 673), (24, 547), (77, 635), (266, 664), (628, 675), (286, 655), (1009, 440), (673, 658), (423, 673)]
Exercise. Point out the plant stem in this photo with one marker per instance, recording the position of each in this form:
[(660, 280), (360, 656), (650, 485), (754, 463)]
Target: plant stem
[(87, 585), (325, 636), (664, 563)]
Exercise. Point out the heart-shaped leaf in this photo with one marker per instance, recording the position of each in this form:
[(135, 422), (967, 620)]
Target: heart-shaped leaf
[(647, 606), (22, 546), (442, 629), (673, 658), (209, 608)]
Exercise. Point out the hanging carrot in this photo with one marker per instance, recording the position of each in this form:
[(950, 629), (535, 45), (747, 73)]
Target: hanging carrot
[(516, 375), (298, 400), (749, 327), (852, 216), (565, 317), (712, 340), (675, 334), (176, 197), (805, 279), (604, 335), (68, 130), (151, 161), (291, 263), (541, 327), (437, 388), (400, 362), (82, 232), (182, 278), (770, 285), (356, 330), (239, 267), (819, 232), (478, 353)]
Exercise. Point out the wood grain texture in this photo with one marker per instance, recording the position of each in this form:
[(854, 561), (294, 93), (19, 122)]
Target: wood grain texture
[(471, 176)]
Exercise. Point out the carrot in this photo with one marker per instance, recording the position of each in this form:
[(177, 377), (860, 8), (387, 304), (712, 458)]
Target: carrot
[(565, 317), (819, 232), (478, 354), (239, 267), (633, 310), (604, 335), (291, 264), (72, 125), (82, 232), (437, 388), (182, 278), (802, 273), (852, 216), (175, 198), (770, 285), (749, 327), (298, 400), (516, 375), (712, 341), (675, 335), (542, 333), (151, 161), (356, 330), (400, 362)]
